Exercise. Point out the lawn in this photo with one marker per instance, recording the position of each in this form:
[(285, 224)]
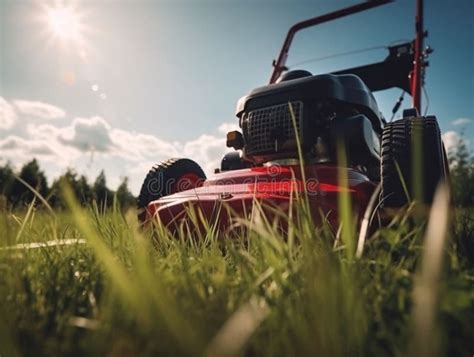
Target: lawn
[(116, 289)]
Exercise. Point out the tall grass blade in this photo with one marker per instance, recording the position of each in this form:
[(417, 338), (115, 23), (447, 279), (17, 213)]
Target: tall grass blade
[(117, 272), (24, 222), (403, 182), (234, 334), (301, 159), (344, 202), (364, 228), (428, 278), (37, 194)]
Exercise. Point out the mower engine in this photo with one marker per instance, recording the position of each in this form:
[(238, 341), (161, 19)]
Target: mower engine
[(318, 112)]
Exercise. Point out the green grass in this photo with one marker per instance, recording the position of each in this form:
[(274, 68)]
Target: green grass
[(127, 291)]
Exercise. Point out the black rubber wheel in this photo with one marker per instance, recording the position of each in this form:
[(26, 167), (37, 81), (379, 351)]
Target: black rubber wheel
[(168, 177), (398, 149)]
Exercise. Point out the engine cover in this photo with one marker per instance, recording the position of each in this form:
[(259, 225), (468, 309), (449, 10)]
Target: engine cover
[(270, 126)]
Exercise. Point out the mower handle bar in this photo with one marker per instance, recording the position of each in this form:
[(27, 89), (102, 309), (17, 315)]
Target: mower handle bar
[(279, 64)]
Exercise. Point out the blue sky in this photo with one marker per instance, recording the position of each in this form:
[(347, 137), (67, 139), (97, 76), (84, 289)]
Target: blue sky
[(138, 82)]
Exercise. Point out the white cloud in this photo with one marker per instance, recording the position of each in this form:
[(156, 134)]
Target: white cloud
[(44, 131), (7, 114), (138, 147), (207, 150), (142, 151), (39, 109), (95, 134), (92, 144), (451, 140), (15, 149), (88, 134), (226, 127), (15, 143), (461, 121)]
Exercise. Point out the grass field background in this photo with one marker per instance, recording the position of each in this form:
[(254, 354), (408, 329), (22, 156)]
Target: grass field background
[(120, 290), (85, 279)]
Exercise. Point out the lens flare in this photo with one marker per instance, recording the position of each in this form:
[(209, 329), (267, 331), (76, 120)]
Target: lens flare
[(64, 23)]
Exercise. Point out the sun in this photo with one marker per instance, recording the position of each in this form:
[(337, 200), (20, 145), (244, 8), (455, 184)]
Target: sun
[(64, 23)]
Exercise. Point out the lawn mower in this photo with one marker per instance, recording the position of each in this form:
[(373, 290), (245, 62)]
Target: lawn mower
[(301, 131)]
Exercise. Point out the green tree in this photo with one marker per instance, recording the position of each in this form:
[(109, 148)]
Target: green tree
[(462, 174), (125, 198), (7, 177), (31, 174), (85, 191), (70, 178), (102, 194)]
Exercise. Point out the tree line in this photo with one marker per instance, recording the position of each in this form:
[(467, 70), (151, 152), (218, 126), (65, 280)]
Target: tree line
[(461, 162), (14, 193)]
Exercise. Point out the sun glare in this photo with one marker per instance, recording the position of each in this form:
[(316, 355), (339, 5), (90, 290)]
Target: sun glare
[(64, 23)]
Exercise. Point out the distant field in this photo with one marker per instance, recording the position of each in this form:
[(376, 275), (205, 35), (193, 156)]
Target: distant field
[(124, 291)]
